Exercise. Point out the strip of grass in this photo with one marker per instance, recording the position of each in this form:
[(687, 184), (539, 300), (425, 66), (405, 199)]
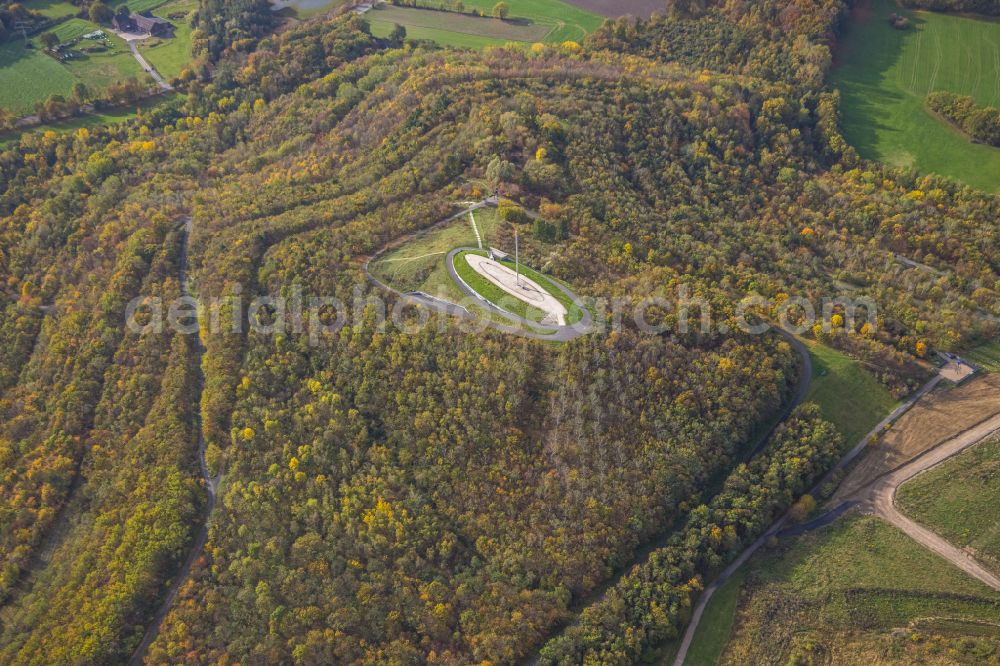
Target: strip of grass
[(884, 76), (104, 118), (716, 624), (959, 500), (847, 395), (52, 8)]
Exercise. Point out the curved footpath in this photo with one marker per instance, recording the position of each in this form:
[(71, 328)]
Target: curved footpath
[(211, 483)]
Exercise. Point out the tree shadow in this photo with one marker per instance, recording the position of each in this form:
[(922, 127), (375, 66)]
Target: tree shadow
[(869, 48)]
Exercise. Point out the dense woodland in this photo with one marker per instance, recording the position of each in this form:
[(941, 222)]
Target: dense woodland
[(440, 497)]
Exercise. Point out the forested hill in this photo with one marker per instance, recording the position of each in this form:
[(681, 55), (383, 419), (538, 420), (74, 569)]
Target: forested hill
[(436, 497)]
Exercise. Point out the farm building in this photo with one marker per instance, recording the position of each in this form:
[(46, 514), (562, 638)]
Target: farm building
[(143, 23)]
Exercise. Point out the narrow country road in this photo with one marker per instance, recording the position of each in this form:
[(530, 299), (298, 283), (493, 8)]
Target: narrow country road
[(211, 482), (146, 66), (879, 498)]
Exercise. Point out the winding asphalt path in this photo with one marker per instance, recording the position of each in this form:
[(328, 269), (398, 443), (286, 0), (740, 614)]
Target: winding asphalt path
[(211, 483)]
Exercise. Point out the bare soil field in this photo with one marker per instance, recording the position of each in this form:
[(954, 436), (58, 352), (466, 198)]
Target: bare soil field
[(643, 8), (938, 417)]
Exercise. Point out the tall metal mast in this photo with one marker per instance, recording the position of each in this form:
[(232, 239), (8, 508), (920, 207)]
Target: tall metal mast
[(517, 259)]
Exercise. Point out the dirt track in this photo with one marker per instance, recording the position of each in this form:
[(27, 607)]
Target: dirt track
[(879, 498), (935, 419)]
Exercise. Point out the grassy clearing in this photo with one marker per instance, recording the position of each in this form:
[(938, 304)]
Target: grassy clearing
[(884, 76), (419, 264), (52, 8), (170, 56), (840, 594), (849, 397), (986, 356), (547, 21), (493, 293), (959, 499), (498, 296)]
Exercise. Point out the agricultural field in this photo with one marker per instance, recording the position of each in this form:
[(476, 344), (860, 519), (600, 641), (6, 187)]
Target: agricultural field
[(303, 9), (861, 592), (29, 75), (847, 395), (884, 76), (959, 501), (547, 21), (986, 356)]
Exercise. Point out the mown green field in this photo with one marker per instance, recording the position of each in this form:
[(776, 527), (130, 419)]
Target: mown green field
[(28, 76), (959, 501), (884, 76), (170, 56), (716, 624), (547, 21), (860, 592), (847, 395)]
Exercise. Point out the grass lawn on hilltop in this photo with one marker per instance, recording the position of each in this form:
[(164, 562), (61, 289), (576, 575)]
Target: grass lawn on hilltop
[(959, 500), (547, 21), (419, 264), (884, 76), (847, 395), (838, 595)]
